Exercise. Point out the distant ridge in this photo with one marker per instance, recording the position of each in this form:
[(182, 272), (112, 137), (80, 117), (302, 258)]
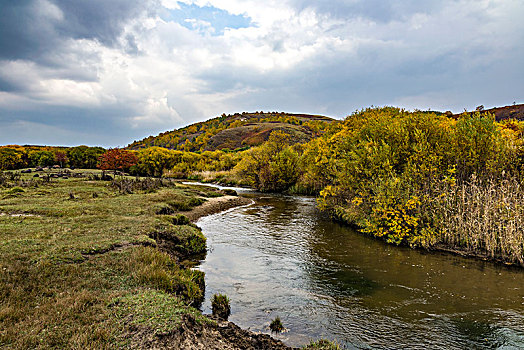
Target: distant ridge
[(237, 131), (508, 112)]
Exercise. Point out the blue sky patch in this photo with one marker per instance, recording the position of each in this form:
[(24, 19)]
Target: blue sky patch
[(193, 16)]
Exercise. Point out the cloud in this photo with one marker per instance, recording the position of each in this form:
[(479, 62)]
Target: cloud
[(110, 71)]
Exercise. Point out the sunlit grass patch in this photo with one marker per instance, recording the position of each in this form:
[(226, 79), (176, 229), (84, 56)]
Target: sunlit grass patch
[(322, 344), (152, 309)]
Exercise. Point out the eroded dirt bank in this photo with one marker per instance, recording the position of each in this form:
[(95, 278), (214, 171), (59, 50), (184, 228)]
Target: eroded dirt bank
[(192, 335)]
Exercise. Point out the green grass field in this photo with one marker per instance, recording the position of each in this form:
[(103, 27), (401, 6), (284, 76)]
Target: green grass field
[(78, 266)]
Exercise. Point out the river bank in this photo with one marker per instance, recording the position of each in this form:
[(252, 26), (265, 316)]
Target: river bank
[(214, 335), (94, 264)]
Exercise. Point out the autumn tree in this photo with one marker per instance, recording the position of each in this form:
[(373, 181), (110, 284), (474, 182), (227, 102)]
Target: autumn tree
[(10, 159), (271, 167), (61, 158), (117, 159), (154, 160)]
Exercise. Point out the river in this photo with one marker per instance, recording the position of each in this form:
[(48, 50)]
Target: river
[(281, 257)]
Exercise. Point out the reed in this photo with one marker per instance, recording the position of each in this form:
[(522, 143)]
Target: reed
[(483, 216)]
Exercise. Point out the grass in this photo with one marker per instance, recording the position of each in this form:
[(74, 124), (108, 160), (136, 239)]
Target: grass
[(220, 306), (71, 270), (322, 344), (152, 309), (276, 325)]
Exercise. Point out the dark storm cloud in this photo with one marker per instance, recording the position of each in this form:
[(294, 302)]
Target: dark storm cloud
[(34, 28), (26, 33), (65, 125), (98, 19)]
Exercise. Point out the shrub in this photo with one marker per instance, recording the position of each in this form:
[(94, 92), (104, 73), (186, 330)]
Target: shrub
[(271, 167)]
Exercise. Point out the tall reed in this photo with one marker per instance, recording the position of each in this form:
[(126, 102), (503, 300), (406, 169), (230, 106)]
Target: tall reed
[(484, 217)]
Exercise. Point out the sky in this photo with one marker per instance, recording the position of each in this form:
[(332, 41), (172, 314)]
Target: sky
[(108, 72)]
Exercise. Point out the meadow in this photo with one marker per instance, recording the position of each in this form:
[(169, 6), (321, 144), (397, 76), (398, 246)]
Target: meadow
[(79, 268)]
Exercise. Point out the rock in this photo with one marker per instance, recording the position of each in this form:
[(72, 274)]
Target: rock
[(26, 171), (36, 175)]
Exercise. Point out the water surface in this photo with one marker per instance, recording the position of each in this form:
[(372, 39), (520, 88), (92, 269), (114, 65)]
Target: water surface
[(281, 257)]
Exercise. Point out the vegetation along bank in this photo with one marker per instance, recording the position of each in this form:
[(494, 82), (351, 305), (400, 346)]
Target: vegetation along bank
[(425, 179)]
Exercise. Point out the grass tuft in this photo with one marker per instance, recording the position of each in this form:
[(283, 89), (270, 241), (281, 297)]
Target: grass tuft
[(220, 306)]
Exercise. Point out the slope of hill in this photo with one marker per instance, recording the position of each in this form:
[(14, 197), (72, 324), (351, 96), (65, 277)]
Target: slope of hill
[(508, 112), (240, 130)]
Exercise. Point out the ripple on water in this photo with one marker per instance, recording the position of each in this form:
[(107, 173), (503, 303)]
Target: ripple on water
[(278, 257)]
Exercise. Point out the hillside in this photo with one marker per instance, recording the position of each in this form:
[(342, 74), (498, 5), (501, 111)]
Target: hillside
[(240, 130), (508, 112)]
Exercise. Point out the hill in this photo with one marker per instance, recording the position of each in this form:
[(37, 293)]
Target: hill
[(508, 112), (237, 131)]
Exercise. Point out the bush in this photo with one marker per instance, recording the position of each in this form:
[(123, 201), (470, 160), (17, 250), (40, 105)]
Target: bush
[(384, 170), (220, 306), (271, 167)]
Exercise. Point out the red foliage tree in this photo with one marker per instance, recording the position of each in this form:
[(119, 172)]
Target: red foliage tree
[(61, 157), (117, 159)]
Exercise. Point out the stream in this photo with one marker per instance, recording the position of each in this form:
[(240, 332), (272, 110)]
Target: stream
[(280, 257)]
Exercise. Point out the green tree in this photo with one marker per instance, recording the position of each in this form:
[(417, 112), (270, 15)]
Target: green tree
[(41, 158), (271, 167)]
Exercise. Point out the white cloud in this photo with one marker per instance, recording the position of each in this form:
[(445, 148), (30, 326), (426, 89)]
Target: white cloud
[(296, 56)]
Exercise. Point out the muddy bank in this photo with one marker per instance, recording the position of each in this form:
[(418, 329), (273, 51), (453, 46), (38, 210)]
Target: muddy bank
[(192, 335), (213, 335), (216, 205)]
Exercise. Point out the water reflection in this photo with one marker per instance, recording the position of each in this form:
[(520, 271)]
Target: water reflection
[(280, 257)]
